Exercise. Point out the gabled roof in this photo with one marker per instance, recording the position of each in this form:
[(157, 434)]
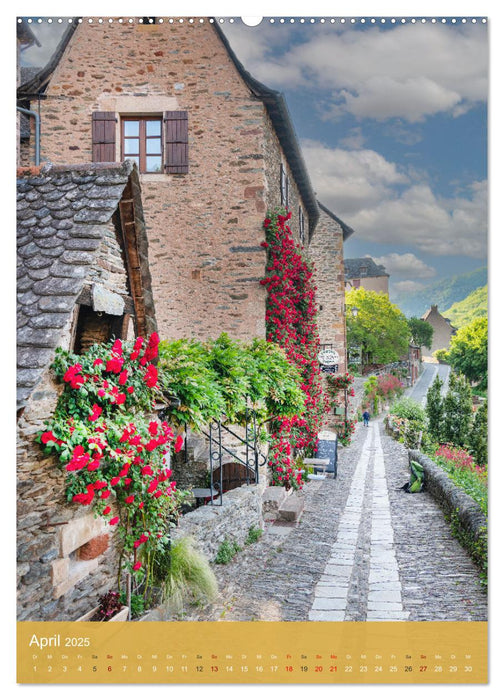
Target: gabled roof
[(356, 268), (347, 231), (273, 100), (434, 311), (62, 215)]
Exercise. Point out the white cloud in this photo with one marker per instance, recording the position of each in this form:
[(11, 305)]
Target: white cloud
[(354, 139), (352, 179), (405, 265), (407, 287), (384, 205), (410, 72)]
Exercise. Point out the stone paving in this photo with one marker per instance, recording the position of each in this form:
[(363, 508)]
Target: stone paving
[(363, 550)]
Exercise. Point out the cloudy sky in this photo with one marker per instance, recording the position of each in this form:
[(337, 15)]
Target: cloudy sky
[(392, 123)]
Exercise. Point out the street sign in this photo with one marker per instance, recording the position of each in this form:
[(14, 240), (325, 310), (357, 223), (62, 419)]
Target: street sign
[(328, 357)]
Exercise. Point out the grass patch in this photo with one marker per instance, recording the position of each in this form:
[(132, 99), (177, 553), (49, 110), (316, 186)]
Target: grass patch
[(188, 576), (254, 534)]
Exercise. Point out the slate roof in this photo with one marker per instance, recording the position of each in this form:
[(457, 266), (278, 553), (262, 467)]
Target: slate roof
[(61, 214), (432, 312), (354, 268)]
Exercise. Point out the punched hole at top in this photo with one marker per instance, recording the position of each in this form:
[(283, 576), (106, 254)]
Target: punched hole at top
[(252, 21)]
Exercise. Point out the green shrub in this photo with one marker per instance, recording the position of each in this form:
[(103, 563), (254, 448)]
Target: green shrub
[(227, 550), (409, 409), (137, 603)]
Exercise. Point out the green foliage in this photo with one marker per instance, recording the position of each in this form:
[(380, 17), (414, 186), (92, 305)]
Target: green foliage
[(421, 332), (468, 352), (435, 409), (185, 575), (379, 328), (441, 355), (254, 534), (227, 550), (417, 477), (457, 411), (215, 378), (409, 409), (474, 306), (478, 437), (137, 603)]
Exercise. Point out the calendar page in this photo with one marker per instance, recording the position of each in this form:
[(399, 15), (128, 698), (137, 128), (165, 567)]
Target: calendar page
[(252, 350)]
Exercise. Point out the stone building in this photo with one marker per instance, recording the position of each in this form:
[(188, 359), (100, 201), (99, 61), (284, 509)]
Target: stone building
[(364, 272), (443, 331), (83, 276), (326, 251), (215, 149)]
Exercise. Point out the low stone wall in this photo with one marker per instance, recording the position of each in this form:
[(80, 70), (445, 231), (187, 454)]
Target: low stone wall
[(209, 526), (451, 497)]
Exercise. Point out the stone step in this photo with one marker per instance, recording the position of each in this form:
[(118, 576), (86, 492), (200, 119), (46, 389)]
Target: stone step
[(273, 498), (292, 508)]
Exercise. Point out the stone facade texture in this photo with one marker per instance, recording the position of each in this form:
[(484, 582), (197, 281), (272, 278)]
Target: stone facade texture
[(326, 251), (204, 227)]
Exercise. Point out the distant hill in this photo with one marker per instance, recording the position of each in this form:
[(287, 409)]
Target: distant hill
[(475, 305), (444, 293)]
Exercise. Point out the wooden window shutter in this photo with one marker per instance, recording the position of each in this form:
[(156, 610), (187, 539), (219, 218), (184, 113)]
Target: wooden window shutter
[(104, 137), (176, 142)]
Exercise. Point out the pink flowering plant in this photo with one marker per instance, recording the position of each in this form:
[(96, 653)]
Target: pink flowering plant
[(112, 449), (291, 323)]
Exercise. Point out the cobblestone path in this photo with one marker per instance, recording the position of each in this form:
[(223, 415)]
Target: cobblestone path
[(363, 550)]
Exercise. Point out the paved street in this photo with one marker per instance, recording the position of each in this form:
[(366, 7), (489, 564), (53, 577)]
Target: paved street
[(430, 371), (363, 550)]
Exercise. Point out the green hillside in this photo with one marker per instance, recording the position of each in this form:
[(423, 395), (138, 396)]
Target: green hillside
[(475, 305), (444, 293)]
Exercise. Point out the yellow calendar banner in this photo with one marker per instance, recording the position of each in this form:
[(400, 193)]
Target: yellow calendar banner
[(252, 652)]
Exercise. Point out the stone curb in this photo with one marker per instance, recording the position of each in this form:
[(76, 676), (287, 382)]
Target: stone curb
[(451, 497)]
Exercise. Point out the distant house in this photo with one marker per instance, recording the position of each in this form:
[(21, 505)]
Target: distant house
[(83, 277), (443, 330), (364, 272)]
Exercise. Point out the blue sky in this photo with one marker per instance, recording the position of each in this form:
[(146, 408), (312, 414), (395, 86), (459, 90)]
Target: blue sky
[(392, 123)]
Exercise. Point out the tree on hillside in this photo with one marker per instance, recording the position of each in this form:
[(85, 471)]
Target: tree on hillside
[(478, 438), (421, 332), (380, 328), (468, 352)]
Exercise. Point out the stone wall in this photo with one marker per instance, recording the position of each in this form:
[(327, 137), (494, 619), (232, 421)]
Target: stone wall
[(211, 525), (326, 251), (451, 497), (273, 160), (56, 578)]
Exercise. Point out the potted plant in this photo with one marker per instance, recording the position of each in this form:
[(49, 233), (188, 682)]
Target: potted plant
[(109, 609)]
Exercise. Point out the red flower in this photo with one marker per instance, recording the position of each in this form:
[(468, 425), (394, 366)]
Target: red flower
[(151, 376), (106, 510), (114, 521), (96, 412), (179, 442), (153, 428), (114, 364), (130, 389), (137, 566), (48, 437), (97, 362), (105, 494), (123, 377), (129, 499), (117, 347)]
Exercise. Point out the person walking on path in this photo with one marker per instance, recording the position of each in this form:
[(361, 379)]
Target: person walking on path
[(365, 418)]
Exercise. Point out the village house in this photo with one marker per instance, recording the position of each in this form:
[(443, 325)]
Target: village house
[(215, 149), (83, 277), (443, 331), (364, 272)]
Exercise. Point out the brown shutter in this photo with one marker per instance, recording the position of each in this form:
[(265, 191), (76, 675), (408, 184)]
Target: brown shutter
[(176, 142), (104, 137)]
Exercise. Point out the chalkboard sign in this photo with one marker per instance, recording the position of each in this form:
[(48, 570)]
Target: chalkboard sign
[(328, 449), (330, 369)]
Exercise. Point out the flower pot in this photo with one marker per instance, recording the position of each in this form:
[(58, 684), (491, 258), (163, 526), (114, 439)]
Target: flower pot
[(120, 616)]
